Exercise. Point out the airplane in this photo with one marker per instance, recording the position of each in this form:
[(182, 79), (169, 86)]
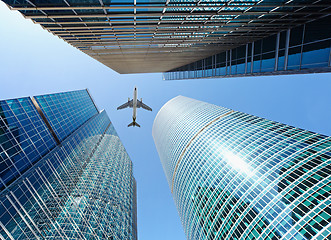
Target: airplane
[(134, 103)]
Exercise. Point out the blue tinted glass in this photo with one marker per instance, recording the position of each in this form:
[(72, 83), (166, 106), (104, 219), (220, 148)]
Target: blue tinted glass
[(281, 62), (313, 39), (256, 66), (67, 111), (88, 177), (233, 69), (313, 56), (24, 138), (241, 68), (267, 65)]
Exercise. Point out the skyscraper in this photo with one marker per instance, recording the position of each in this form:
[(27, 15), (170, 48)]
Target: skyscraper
[(64, 171), (238, 176), (191, 38)]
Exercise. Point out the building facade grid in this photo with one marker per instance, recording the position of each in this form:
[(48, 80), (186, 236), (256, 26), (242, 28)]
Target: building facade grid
[(237, 176), (82, 188), (67, 111), (159, 36)]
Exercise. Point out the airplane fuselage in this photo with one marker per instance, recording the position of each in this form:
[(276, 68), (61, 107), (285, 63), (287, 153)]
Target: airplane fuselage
[(134, 105)]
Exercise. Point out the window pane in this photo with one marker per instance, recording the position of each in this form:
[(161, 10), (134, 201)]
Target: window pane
[(316, 55), (294, 58), (269, 44), (319, 29), (296, 36)]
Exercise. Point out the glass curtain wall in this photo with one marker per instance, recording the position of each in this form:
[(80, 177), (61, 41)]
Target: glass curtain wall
[(237, 176), (305, 48), (80, 188)]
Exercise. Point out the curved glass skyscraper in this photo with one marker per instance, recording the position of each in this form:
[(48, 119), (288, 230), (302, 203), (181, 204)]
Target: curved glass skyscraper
[(238, 176), (64, 171)]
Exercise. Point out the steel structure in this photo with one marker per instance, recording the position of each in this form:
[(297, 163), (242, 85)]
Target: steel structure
[(237, 176), (157, 36)]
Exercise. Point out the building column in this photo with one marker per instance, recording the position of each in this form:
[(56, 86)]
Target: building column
[(277, 52), (246, 58), (214, 65), (230, 60), (302, 44), (287, 45), (252, 57), (226, 62)]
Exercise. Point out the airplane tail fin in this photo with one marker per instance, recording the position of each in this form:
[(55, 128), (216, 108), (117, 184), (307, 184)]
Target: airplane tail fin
[(133, 124)]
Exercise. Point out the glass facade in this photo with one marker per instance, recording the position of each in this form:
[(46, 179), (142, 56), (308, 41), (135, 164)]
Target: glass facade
[(133, 36), (238, 176), (66, 111), (81, 188), (302, 49)]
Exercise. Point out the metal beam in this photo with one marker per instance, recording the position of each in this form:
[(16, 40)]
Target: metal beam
[(171, 30), (177, 6), (43, 117), (175, 14), (167, 22)]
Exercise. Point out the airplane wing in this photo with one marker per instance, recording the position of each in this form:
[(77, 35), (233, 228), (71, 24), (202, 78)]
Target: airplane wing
[(144, 106), (125, 105)]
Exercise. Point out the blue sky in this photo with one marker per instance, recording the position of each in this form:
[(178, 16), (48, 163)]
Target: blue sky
[(33, 61)]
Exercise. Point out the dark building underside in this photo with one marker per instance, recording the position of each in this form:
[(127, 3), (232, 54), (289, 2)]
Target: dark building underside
[(160, 36)]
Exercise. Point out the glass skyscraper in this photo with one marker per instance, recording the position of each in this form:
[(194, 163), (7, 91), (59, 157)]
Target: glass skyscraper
[(238, 176), (64, 173), (192, 38)]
